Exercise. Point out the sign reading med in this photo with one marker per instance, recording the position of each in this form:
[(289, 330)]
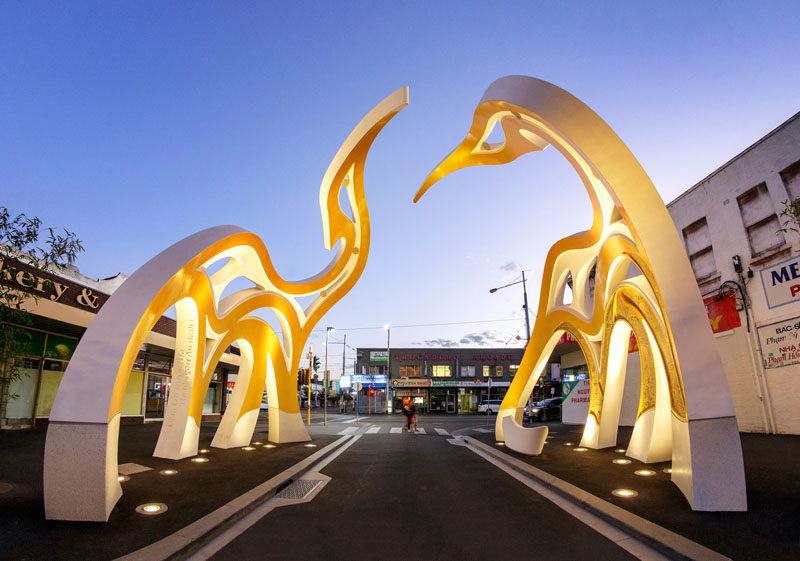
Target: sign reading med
[(782, 282)]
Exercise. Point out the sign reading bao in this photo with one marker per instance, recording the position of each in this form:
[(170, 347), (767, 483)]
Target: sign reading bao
[(780, 343), (782, 282)]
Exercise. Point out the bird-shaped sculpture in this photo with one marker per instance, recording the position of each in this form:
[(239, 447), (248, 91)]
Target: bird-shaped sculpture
[(80, 471), (628, 273)]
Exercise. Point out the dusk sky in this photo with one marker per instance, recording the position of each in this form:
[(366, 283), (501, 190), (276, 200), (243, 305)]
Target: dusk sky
[(135, 124)]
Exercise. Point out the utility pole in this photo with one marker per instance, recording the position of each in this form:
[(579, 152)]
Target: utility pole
[(310, 368), (344, 348)]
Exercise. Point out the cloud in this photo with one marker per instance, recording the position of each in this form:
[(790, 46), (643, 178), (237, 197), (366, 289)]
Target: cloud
[(510, 266), (440, 343), (486, 338)]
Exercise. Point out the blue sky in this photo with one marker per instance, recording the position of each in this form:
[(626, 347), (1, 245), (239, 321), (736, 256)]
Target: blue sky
[(136, 124)]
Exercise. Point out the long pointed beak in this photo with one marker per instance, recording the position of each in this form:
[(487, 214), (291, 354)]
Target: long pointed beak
[(459, 158)]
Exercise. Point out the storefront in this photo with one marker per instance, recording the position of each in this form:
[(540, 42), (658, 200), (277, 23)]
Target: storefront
[(59, 318)]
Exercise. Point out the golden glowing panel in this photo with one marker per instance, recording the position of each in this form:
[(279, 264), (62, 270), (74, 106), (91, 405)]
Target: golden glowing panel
[(643, 284), (192, 276)]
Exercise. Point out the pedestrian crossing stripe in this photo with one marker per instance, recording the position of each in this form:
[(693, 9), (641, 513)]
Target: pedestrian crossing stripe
[(395, 430), (348, 430), (373, 430), (442, 432)]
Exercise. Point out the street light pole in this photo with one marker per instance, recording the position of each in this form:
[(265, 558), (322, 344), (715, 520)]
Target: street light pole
[(325, 379), (527, 322), (389, 403)]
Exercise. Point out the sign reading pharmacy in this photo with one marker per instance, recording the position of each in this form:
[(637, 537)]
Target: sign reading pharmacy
[(780, 343), (782, 282)]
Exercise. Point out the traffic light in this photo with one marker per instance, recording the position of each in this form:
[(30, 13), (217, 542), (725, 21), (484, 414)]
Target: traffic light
[(316, 363), (371, 392), (302, 377)]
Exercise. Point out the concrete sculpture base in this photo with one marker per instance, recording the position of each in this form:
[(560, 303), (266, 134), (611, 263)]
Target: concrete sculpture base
[(525, 440)]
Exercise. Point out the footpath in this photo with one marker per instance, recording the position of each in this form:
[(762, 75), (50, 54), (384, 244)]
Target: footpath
[(770, 529), (195, 490)]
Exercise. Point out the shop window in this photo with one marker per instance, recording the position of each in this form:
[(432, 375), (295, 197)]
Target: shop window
[(485, 370), (697, 238), (159, 365), (791, 180), (468, 371), (441, 371), (760, 220), (512, 370), (498, 370), (409, 371), (52, 372)]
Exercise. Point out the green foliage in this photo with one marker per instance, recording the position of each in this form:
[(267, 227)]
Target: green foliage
[(20, 243), (790, 216)]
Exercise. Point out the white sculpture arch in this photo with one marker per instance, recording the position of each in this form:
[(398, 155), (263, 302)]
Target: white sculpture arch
[(80, 468), (643, 283)]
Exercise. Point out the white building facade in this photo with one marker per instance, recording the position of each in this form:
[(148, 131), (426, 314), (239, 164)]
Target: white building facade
[(747, 267)]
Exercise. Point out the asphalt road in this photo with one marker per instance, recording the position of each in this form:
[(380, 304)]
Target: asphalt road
[(399, 495)]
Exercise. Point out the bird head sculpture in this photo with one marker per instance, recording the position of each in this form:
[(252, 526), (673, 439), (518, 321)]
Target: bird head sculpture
[(630, 276)]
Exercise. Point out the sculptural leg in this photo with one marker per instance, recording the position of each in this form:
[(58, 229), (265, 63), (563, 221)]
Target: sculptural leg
[(80, 471)]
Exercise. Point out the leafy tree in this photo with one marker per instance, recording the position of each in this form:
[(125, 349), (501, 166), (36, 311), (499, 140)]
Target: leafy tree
[(790, 216), (20, 244)]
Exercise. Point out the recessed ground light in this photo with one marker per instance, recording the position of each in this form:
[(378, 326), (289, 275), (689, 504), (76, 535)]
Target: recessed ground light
[(667, 470), (626, 493), (579, 449), (204, 451), (256, 443), (269, 446), (151, 508), (500, 443), (123, 478), (310, 445), (568, 444), (621, 461), (620, 450), (248, 448), (168, 471), (644, 472), (199, 460)]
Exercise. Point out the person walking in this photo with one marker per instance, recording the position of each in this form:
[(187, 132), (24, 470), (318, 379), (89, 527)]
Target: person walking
[(410, 411)]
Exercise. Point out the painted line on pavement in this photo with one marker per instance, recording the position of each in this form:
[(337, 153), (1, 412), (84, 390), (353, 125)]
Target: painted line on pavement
[(442, 432), (212, 547), (395, 430), (184, 542), (373, 430), (639, 532)]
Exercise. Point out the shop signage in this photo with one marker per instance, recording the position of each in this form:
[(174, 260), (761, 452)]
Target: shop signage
[(722, 312), (574, 401), (780, 343), (379, 356), (425, 356), (51, 287), (411, 383), (370, 378), (781, 282), (566, 337)]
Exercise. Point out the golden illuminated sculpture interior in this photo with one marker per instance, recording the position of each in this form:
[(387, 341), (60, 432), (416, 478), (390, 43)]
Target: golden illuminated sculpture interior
[(80, 471), (628, 273)]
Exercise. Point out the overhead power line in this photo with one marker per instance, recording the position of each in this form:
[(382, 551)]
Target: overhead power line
[(423, 324)]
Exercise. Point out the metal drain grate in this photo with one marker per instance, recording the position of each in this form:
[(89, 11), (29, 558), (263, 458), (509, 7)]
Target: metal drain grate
[(299, 489)]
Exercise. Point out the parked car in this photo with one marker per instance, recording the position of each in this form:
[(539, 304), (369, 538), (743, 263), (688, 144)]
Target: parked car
[(547, 410), (493, 406)]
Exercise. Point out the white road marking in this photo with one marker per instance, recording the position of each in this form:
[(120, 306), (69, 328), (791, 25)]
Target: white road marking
[(348, 430), (373, 430), (442, 432), (353, 420), (483, 430), (421, 431), (628, 543), (395, 430)]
